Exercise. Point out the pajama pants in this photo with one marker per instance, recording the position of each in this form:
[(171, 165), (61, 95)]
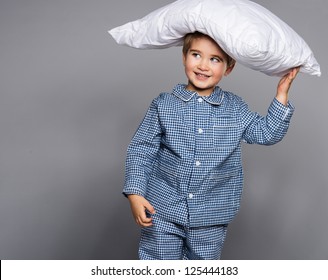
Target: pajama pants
[(168, 241)]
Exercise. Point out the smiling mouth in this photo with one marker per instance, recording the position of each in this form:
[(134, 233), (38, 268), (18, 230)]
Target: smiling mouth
[(202, 75)]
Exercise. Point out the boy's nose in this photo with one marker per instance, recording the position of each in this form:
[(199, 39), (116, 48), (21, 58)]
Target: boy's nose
[(203, 65)]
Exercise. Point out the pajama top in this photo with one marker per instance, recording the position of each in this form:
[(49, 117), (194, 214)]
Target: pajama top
[(185, 157)]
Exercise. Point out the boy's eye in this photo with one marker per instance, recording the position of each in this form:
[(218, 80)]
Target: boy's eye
[(197, 55), (215, 59)]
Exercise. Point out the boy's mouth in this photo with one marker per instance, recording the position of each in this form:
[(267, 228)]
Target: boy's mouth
[(202, 76)]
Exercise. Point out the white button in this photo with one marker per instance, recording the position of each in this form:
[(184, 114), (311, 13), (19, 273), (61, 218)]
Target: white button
[(197, 163), (200, 99), (190, 195), (200, 130)]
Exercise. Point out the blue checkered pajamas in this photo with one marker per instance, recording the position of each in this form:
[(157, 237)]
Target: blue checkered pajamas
[(169, 241), (185, 159)]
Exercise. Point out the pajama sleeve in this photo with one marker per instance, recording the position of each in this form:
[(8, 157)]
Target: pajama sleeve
[(142, 152), (269, 129)]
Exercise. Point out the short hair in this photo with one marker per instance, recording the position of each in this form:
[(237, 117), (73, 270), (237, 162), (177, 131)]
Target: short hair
[(190, 37)]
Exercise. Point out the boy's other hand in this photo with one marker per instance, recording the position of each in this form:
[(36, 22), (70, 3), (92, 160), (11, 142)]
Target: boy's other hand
[(284, 85), (139, 206)]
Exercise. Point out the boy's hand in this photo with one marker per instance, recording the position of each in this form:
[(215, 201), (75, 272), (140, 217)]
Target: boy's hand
[(284, 85), (139, 205)]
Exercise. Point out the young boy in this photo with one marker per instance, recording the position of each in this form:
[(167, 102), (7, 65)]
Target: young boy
[(184, 173)]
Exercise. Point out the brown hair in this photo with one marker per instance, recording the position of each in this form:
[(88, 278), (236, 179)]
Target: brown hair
[(188, 39)]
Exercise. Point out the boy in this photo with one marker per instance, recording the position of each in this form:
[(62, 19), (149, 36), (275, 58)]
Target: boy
[(183, 170)]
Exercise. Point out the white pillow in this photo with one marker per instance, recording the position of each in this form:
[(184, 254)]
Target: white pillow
[(248, 32)]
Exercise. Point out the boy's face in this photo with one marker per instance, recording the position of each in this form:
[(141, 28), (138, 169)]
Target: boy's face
[(205, 65)]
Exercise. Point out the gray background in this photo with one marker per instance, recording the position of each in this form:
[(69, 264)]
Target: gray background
[(71, 99)]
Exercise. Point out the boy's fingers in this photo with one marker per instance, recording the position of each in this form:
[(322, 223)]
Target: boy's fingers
[(294, 72), (150, 208), (144, 221), (139, 207)]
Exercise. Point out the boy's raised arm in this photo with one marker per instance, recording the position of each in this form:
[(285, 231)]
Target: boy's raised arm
[(284, 85)]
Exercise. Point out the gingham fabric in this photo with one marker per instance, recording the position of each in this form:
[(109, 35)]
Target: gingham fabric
[(185, 157), (168, 241)]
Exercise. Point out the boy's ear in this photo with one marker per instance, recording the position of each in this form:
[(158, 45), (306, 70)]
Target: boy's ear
[(184, 59), (229, 69)]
